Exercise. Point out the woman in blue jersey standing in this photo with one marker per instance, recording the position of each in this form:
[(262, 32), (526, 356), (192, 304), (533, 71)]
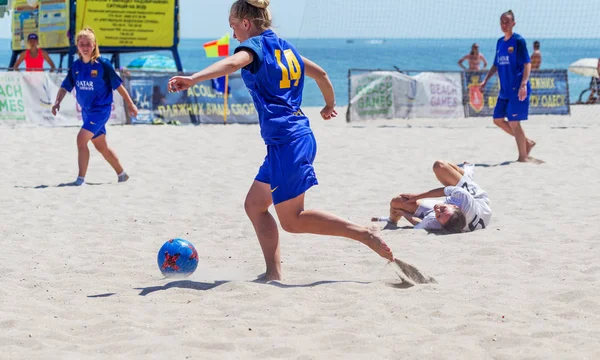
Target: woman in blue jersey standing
[(274, 74), (513, 65), (94, 79)]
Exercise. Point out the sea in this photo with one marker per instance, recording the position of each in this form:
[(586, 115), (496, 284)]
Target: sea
[(337, 56)]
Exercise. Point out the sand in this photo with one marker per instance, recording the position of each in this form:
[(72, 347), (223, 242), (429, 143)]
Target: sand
[(79, 277)]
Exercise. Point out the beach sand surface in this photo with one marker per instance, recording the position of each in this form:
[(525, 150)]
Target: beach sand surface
[(78, 268)]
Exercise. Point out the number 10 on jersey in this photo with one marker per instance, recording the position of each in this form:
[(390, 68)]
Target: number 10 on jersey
[(291, 72)]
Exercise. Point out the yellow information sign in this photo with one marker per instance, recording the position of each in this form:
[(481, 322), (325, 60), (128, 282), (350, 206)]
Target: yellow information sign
[(48, 19), (129, 23)]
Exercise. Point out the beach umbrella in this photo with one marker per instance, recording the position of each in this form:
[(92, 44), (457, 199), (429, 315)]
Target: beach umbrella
[(585, 67), (153, 63)]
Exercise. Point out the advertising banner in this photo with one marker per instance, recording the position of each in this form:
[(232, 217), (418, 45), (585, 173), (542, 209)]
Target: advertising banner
[(201, 104), (49, 19), (27, 98), (391, 94), (549, 93), (128, 23)]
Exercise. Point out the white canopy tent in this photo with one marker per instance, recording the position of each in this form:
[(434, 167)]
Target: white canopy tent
[(585, 67)]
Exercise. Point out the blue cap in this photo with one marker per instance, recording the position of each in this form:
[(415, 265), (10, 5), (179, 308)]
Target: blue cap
[(32, 37)]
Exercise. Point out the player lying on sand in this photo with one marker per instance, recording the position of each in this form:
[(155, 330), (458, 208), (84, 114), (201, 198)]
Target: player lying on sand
[(466, 206)]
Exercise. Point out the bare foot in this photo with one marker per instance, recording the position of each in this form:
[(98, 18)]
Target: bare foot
[(266, 277), (530, 145), (530, 159), (376, 243)]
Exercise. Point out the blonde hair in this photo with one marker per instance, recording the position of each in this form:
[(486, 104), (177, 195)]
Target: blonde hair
[(89, 33), (257, 11)]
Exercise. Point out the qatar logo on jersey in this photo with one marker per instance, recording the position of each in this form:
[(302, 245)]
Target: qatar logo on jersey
[(503, 60), (85, 85)]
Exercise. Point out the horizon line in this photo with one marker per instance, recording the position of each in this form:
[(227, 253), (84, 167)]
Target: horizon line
[(392, 38)]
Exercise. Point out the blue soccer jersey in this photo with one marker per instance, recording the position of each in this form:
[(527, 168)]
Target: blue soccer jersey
[(275, 80), (510, 60), (94, 83)]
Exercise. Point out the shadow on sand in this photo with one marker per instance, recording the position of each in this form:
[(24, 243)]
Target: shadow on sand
[(70, 184)]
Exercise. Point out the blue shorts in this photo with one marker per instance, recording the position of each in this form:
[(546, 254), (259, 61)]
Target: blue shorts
[(513, 109), (288, 168), (95, 121)]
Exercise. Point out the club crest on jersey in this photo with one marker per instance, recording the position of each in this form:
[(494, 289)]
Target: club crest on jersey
[(94, 73), (511, 49)]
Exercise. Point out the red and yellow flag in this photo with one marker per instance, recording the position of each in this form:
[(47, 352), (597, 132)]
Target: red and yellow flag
[(217, 48)]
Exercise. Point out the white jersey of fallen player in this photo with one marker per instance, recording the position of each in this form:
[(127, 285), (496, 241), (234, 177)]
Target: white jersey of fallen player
[(477, 210), (469, 197)]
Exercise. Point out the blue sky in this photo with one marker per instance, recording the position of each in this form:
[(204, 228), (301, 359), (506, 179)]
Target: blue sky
[(397, 18)]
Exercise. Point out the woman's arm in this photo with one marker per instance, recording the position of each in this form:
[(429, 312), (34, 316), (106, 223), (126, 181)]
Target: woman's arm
[(523, 88), (435, 193), (19, 61), (220, 68), (484, 60), (316, 72), (59, 98), (48, 60), (460, 62), (133, 110)]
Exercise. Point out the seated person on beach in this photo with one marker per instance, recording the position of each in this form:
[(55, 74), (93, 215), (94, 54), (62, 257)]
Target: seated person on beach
[(466, 207), (594, 88), (474, 58)]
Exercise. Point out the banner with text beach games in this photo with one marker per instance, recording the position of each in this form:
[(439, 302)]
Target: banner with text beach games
[(27, 98), (128, 23), (49, 19), (391, 94)]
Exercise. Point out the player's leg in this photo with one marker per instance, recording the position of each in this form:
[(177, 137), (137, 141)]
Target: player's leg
[(448, 174), (257, 204), (518, 111), (109, 155), (83, 153), (506, 109), (292, 175), (521, 140), (400, 203), (295, 219), (499, 115)]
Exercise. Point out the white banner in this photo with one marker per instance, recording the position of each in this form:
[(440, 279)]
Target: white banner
[(390, 94), (444, 95), (27, 98)]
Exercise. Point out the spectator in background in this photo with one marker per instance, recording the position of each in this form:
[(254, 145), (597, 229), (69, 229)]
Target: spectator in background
[(536, 57), (34, 56), (595, 87), (474, 58)]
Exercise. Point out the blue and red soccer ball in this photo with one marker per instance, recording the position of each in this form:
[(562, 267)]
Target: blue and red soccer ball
[(177, 257)]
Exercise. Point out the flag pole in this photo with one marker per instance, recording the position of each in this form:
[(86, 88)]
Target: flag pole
[(225, 96)]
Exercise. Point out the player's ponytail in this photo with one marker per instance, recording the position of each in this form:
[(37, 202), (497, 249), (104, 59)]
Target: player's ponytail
[(257, 11), (89, 33), (509, 13)]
